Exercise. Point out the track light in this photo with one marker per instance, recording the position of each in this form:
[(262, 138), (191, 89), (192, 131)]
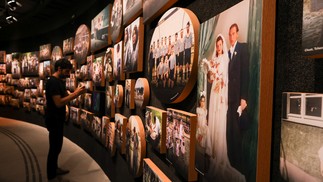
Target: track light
[(13, 4), (10, 19)]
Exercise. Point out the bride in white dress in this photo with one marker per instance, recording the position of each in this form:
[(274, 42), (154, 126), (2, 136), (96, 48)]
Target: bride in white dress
[(216, 142)]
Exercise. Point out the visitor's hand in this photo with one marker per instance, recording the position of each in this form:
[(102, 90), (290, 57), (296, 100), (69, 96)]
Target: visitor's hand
[(80, 90)]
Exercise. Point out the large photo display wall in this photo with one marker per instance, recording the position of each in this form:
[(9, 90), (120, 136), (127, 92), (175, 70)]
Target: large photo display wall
[(217, 59)]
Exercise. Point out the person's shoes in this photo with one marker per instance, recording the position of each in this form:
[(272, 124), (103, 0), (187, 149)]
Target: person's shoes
[(61, 171)]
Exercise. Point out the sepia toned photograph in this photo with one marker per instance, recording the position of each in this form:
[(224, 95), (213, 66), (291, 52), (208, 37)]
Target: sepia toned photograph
[(86, 119), (16, 66), (89, 66), (109, 102), (133, 46), (135, 145), (8, 63), (301, 147), (47, 69), (108, 64), (116, 21), (118, 73), (88, 101), (129, 95), (45, 52), (97, 72), (82, 44), (131, 10), (104, 130), (120, 132), (68, 46), (171, 66), (3, 69), (142, 93), (100, 30), (154, 8), (111, 145), (3, 56), (152, 173), (155, 128), (96, 127), (30, 64), (180, 142), (57, 53)]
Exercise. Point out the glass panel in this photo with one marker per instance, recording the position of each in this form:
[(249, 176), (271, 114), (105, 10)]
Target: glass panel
[(295, 105), (313, 106)]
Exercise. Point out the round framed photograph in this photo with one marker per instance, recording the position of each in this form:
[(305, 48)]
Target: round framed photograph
[(142, 93), (116, 21), (172, 59), (82, 44)]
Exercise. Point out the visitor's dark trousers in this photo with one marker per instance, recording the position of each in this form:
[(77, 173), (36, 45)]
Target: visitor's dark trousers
[(55, 147)]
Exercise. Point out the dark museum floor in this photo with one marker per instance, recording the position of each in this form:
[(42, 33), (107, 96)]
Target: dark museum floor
[(24, 148)]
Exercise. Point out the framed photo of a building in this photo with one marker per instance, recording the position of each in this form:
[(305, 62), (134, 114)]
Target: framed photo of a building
[(120, 132), (180, 142), (82, 44), (129, 95), (100, 30), (312, 30), (131, 10), (45, 52), (108, 64), (154, 8), (109, 101), (68, 46), (151, 172), (116, 21), (118, 72), (155, 127), (3, 56), (142, 93), (98, 72), (172, 65), (29, 64), (136, 145)]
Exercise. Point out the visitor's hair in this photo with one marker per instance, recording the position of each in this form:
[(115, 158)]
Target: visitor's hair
[(63, 63)]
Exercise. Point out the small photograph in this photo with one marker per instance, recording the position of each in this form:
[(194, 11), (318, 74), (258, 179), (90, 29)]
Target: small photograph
[(152, 173), (2, 88), (40, 100), (131, 10), (23, 83), (47, 69), (41, 110), (133, 46), (86, 119), (104, 130), (33, 82), (29, 64), (129, 95), (14, 103), (57, 53), (33, 103), (3, 56), (27, 95), (135, 145), (75, 102), (26, 106), (154, 8), (40, 88), (33, 93), (111, 145), (84, 72), (180, 139), (116, 21), (89, 63), (172, 54), (98, 102), (108, 64), (68, 45), (100, 30), (3, 78), (155, 127), (120, 132), (118, 73), (3, 101), (41, 72), (75, 116), (118, 96), (142, 93), (96, 127), (45, 52), (88, 85), (3, 69), (16, 66), (74, 64), (71, 82), (301, 147), (88, 101), (109, 102), (8, 62), (97, 72), (82, 44)]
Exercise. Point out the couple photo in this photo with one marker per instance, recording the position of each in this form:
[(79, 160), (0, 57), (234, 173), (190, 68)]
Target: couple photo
[(223, 97)]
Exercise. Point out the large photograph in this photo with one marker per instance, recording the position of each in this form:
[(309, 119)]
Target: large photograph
[(171, 66), (82, 44), (116, 21), (100, 34), (301, 145), (133, 46), (29, 64), (45, 52), (227, 133), (131, 10)]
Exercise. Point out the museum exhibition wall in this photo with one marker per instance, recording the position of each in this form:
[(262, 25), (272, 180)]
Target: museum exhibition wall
[(145, 116)]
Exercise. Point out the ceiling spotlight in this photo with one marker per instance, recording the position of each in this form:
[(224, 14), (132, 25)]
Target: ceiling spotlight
[(13, 4), (10, 19)]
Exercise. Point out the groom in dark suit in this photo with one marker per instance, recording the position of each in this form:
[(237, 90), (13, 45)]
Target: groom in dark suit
[(238, 84)]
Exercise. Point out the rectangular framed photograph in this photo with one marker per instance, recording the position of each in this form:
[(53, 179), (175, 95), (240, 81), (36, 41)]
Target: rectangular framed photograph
[(155, 127), (98, 72), (131, 10), (68, 46), (151, 172), (45, 52), (3, 56), (47, 69), (301, 147), (129, 95), (109, 101), (120, 132), (133, 46), (16, 65), (8, 62), (154, 8), (118, 72), (96, 127), (180, 142), (3, 69), (100, 29), (86, 119), (75, 116), (104, 130), (29, 64), (108, 64)]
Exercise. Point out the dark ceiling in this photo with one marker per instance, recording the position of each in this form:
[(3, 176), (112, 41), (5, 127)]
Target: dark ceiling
[(39, 16)]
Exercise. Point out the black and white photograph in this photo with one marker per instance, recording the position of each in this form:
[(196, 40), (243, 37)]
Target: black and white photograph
[(98, 72), (75, 116), (120, 132), (116, 21), (108, 64), (142, 93)]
